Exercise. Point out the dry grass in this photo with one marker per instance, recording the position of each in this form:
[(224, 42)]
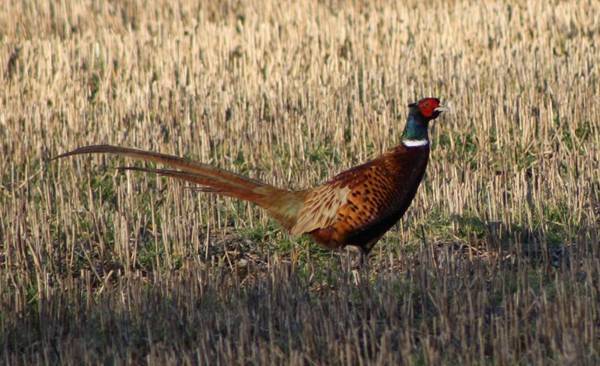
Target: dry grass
[(496, 262)]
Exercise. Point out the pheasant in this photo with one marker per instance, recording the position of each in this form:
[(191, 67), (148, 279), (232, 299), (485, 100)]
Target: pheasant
[(354, 208)]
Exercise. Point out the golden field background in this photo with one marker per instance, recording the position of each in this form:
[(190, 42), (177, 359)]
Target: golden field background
[(292, 93)]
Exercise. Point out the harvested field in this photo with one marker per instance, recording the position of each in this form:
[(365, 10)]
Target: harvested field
[(497, 261)]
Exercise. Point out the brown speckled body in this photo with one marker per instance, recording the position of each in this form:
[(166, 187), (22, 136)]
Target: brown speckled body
[(380, 192)]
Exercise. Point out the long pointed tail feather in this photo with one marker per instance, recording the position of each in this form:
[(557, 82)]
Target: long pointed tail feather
[(165, 159), (207, 183), (283, 205)]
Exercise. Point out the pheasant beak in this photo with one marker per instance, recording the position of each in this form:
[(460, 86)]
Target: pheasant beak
[(442, 108)]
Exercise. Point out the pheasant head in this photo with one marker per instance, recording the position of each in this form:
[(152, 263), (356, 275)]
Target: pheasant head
[(419, 115)]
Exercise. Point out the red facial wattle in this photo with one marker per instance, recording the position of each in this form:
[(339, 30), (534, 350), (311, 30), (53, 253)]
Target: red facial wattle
[(427, 106)]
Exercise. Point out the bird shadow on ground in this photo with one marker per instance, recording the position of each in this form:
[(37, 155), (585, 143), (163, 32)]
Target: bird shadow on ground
[(497, 240)]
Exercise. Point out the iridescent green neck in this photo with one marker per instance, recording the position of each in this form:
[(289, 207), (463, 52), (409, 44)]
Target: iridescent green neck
[(415, 132)]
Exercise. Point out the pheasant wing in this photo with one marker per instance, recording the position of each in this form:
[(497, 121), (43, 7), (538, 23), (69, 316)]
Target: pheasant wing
[(351, 200), (321, 207)]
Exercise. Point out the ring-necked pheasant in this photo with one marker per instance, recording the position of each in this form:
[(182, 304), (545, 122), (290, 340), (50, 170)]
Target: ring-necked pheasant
[(356, 207)]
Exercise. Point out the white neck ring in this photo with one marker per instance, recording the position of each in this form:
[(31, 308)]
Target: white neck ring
[(415, 143)]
